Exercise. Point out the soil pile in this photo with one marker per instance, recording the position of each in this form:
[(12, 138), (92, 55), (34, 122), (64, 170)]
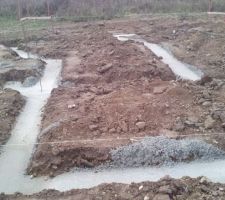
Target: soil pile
[(165, 189)]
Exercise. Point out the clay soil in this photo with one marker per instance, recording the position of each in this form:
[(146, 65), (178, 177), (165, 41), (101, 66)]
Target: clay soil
[(113, 92)]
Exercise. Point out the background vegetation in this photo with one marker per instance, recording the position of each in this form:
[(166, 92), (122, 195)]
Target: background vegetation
[(103, 8), (85, 10)]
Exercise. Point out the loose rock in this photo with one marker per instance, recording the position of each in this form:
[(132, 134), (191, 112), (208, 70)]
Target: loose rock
[(159, 90), (162, 197), (93, 127), (141, 125), (209, 122)]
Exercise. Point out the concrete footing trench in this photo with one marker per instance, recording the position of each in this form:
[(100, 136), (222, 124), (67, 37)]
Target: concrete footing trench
[(132, 163), (181, 70)]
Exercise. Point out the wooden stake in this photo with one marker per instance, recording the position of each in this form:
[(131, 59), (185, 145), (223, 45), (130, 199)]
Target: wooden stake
[(48, 7), (210, 5), (40, 84), (18, 10), (52, 24), (25, 38)]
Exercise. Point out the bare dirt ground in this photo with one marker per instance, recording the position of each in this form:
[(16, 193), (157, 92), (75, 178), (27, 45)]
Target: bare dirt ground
[(165, 189), (11, 103), (112, 91)]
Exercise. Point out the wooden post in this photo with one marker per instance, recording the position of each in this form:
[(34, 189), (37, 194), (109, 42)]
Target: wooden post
[(25, 38), (28, 8), (18, 9), (41, 85), (52, 24), (210, 6), (48, 8), (49, 14)]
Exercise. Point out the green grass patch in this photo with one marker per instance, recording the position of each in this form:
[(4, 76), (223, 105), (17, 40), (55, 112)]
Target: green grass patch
[(12, 29)]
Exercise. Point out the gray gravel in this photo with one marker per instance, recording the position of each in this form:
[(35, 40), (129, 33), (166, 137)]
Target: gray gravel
[(160, 150)]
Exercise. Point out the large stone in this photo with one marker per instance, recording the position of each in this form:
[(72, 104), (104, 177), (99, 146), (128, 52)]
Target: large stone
[(146, 197), (166, 178), (141, 125), (191, 121), (204, 180), (124, 126), (166, 189), (161, 197), (104, 68), (217, 84), (207, 103), (223, 125), (206, 94), (222, 116), (216, 114), (169, 133), (209, 122), (159, 89), (112, 130), (93, 127), (178, 125)]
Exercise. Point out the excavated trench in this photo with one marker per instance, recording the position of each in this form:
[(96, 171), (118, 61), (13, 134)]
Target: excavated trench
[(17, 152), (181, 70)]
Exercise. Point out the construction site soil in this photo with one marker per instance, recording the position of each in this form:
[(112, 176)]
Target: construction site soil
[(113, 93), (165, 189)]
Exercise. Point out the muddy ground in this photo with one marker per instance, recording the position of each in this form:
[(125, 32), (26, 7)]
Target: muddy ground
[(165, 189), (112, 91)]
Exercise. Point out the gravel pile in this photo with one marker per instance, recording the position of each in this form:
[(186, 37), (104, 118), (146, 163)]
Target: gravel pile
[(163, 151)]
